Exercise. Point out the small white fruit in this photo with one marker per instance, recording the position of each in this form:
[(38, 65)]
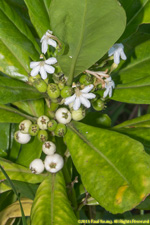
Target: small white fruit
[(24, 126), (42, 122), (63, 115), (22, 138), (78, 115), (49, 148), (53, 163), (37, 166)]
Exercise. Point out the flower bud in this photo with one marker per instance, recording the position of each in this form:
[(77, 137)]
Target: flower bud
[(42, 122), (37, 166), (24, 126), (78, 115), (40, 85), (33, 129), (42, 135), (49, 148), (53, 163), (52, 124), (63, 115), (22, 138), (66, 92), (60, 130), (53, 90)]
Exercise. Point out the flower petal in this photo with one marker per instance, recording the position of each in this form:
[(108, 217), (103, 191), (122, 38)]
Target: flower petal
[(77, 103), (35, 71), (70, 99), (110, 92), (43, 73), (52, 42), (111, 51), (34, 64), (85, 102), (89, 95), (51, 61), (123, 56), (87, 88), (49, 69), (44, 46), (116, 57), (43, 37), (106, 92)]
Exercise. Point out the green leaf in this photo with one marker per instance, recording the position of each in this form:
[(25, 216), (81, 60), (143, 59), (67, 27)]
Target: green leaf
[(13, 90), (29, 152), (21, 173), (20, 44), (137, 12), (88, 30), (110, 162), (4, 138), (133, 77), (38, 11), (51, 205), (34, 108)]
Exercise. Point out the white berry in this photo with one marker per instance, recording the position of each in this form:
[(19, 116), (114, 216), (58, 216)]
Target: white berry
[(22, 138), (37, 166), (42, 122), (49, 148), (53, 163), (63, 115), (24, 126)]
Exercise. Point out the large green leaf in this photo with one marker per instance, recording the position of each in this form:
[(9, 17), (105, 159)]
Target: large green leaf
[(13, 90), (39, 14), (138, 12), (17, 41), (51, 205), (29, 152), (110, 162), (133, 77), (21, 173), (88, 30)]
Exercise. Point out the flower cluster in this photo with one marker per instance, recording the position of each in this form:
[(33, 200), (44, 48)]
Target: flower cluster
[(44, 67)]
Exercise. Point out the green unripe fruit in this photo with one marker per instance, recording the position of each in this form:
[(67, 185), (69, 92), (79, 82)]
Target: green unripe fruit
[(32, 79), (40, 85), (66, 92), (60, 130), (104, 120), (61, 85), (98, 105), (33, 129), (78, 115), (53, 106), (52, 124), (53, 90), (42, 135), (24, 126), (86, 79)]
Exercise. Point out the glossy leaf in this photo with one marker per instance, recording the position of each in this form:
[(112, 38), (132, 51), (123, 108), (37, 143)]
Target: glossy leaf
[(13, 210), (133, 77), (4, 138), (86, 30), (10, 115), (138, 12), (113, 162), (18, 172), (29, 152), (36, 8), (13, 90), (20, 44), (51, 205), (4, 187)]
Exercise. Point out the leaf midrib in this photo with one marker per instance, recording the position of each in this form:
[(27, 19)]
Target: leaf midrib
[(100, 153), (78, 49)]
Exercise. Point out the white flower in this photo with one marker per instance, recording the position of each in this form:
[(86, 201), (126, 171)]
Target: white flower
[(118, 51), (43, 67), (81, 97), (109, 85), (47, 40)]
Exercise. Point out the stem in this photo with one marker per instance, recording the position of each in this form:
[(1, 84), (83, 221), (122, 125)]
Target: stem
[(97, 76)]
